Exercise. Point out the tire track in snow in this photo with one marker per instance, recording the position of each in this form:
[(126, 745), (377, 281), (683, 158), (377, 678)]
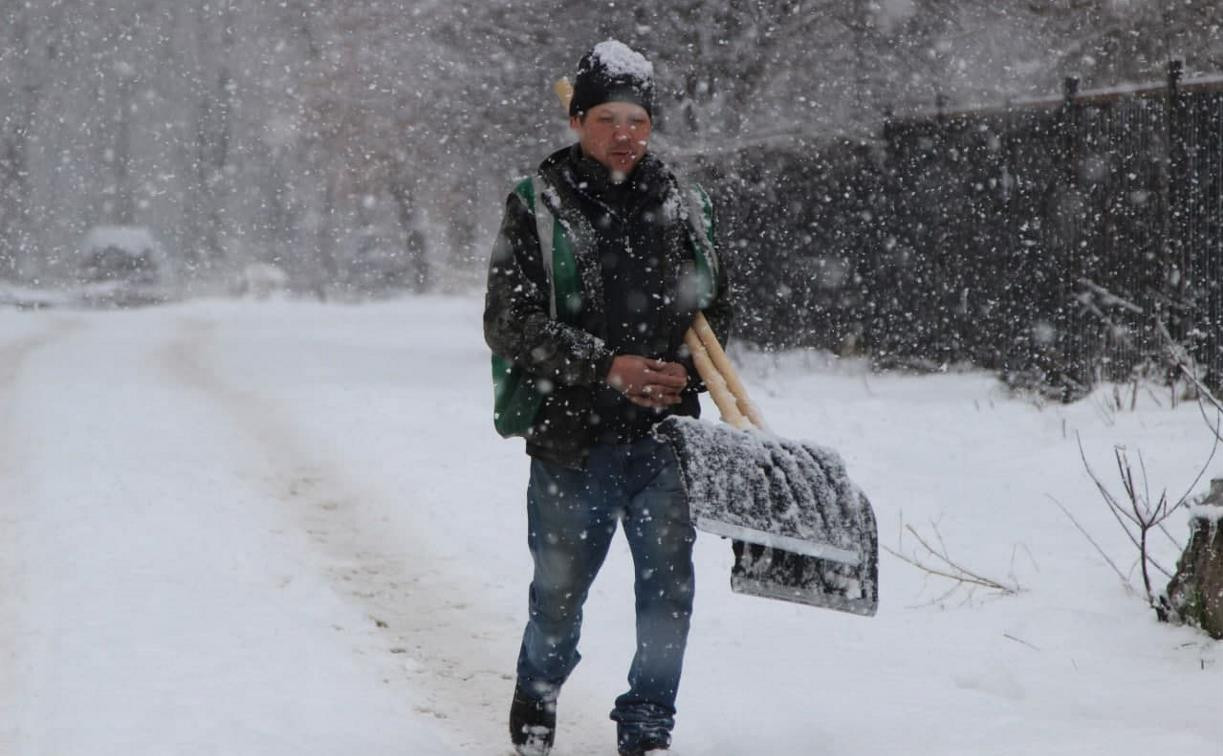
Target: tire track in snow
[(13, 358), (12, 361), (424, 619)]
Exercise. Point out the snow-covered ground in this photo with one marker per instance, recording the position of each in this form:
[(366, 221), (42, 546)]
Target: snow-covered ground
[(231, 528)]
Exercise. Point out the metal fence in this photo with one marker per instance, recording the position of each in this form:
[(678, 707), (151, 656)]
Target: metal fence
[(1044, 239)]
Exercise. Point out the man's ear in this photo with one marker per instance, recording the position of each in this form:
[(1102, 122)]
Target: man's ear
[(575, 122)]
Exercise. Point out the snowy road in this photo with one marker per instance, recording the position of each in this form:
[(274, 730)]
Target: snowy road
[(168, 599), (289, 529)]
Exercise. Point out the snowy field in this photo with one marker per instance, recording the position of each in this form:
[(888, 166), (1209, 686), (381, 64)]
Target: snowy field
[(289, 529)]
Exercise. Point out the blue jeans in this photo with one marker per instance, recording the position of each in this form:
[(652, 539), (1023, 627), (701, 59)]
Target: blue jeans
[(571, 518)]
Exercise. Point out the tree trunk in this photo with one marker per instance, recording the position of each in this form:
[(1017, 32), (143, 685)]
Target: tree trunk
[(1195, 594), (15, 136), (413, 239)]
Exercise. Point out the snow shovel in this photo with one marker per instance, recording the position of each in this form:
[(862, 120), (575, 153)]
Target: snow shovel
[(800, 530)]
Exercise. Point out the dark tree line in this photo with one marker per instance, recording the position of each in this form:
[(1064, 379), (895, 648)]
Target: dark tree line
[(371, 142)]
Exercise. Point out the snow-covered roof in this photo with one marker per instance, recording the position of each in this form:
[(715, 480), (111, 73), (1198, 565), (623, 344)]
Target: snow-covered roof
[(134, 239)]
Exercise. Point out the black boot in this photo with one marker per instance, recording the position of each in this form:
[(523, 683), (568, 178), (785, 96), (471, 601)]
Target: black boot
[(635, 742), (532, 725)]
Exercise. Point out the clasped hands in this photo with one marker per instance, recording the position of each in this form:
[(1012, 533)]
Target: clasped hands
[(647, 382)]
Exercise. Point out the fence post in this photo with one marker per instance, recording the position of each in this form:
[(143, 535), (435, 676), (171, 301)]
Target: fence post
[(1177, 265), (1070, 129), (878, 317), (1074, 353)]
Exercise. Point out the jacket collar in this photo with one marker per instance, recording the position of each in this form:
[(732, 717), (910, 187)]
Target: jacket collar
[(649, 181)]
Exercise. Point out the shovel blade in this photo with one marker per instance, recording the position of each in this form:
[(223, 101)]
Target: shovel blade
[(802, 531)]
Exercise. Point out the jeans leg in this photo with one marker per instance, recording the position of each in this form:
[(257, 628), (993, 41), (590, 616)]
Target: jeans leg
[(570, 525), (660, 534)]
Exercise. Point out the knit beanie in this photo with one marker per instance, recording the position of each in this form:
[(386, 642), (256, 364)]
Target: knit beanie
[(613, 72)]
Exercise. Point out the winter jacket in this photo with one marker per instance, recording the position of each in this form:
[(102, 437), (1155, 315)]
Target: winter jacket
[(633, 246)]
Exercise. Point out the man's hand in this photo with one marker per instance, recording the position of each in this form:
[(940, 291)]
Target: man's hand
[(647, 382)]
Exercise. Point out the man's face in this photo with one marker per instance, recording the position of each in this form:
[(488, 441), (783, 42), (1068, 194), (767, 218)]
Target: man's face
[(615, 134)]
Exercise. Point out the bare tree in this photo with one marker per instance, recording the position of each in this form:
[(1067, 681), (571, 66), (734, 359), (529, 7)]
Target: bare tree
[(21, 87), (1137, 512), (214, 131)]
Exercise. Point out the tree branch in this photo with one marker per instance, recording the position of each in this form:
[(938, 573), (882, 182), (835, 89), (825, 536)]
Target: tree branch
[(1125, 580), (954, 571)]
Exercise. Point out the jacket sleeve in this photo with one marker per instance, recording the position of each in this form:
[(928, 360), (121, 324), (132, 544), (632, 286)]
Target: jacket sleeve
[(517, 325), (720, 312)]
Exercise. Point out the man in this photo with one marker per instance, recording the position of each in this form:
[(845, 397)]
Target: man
[(590, 311)]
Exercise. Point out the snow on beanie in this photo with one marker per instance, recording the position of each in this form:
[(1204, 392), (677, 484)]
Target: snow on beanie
[(613, 72)]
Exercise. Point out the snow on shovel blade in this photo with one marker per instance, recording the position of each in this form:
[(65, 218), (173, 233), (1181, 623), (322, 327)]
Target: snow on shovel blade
[(803, 532)]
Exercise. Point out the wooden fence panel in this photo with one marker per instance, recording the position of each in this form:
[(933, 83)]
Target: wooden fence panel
[(1043, 240)]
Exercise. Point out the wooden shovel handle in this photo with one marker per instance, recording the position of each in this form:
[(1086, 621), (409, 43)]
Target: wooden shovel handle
[(719, 372), (715, 382), (564, 92)]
